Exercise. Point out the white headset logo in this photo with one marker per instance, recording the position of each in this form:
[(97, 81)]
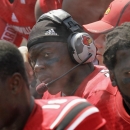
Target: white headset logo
[(82, 45), (86, 40)]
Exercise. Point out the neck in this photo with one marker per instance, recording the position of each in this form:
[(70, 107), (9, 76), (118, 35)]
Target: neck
[(77, 78), (22, 115)]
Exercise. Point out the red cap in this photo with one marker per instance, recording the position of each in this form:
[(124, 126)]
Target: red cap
[(117, 13)]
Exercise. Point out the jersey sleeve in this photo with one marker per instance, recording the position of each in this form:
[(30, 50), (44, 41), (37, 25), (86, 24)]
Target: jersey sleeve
[(74, 113), (9, 34), (81, 117)]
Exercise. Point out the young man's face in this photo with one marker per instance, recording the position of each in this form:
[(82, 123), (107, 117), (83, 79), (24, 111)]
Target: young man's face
[(51, 60), (122, 73), (100, 45)]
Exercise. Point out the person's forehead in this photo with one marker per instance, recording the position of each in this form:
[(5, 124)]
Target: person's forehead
[(123, 57), (46, 45)]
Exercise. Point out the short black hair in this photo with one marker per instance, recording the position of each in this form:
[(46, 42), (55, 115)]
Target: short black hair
[(11, 61), (117, 39)]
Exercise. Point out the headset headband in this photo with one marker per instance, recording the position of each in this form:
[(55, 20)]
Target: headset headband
[(58, 17)]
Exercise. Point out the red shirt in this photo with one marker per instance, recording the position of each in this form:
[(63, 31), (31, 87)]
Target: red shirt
[(110, 103), (98, 78), (16, 19), (47, 5), (64, 113)]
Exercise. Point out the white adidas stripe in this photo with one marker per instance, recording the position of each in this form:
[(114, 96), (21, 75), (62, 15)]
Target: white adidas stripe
[(22, 1), (66, 108), (82, 117)]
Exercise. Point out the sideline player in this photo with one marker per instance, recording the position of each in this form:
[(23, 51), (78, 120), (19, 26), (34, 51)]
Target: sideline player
[(16, 19), (114, 102), (110, 20), (87, 8), (57, 50), (19, 111)]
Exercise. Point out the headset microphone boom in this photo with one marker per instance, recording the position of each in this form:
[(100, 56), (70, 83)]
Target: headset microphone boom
[(41, 88)]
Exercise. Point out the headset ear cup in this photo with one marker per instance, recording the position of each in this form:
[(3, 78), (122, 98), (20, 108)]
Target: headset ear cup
[(71, 49), (81, 44)]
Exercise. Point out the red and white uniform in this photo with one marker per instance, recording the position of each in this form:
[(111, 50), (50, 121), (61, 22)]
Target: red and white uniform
[(16, 20), (65, 113), (98, 78), (110, 104), (47, 5)]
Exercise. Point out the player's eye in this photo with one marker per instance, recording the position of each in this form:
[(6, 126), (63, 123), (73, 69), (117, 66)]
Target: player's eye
[(46, 55), (127, 73)]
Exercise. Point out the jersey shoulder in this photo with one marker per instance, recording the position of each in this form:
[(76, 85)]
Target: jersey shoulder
[(64, 113), (98, 80), (70, 113), (102, 81), (103, 89)]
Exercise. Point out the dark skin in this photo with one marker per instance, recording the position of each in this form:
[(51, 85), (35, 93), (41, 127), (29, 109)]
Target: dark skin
[(86, 11), (82, 11), (50, 61), (16, 103), (121, 76), (30, 74)]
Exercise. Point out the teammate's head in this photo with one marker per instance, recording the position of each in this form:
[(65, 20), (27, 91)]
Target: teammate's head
[(50, 55), (117, 13), (10, 61), (117, 58), (116, 40), (14, 90), (85, 11)]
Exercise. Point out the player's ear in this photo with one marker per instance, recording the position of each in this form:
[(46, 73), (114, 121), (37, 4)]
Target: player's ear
[(15, 83), (112, 77)]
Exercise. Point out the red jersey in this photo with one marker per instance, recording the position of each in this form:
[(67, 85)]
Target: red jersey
[(98, 78), (16, 20), (110, 104), (47, 5), (64, 113)]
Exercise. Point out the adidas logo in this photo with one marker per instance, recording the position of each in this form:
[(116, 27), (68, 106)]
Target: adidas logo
[(50, 32)]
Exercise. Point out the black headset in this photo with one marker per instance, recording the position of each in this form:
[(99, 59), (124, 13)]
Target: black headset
[(80, 43)]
